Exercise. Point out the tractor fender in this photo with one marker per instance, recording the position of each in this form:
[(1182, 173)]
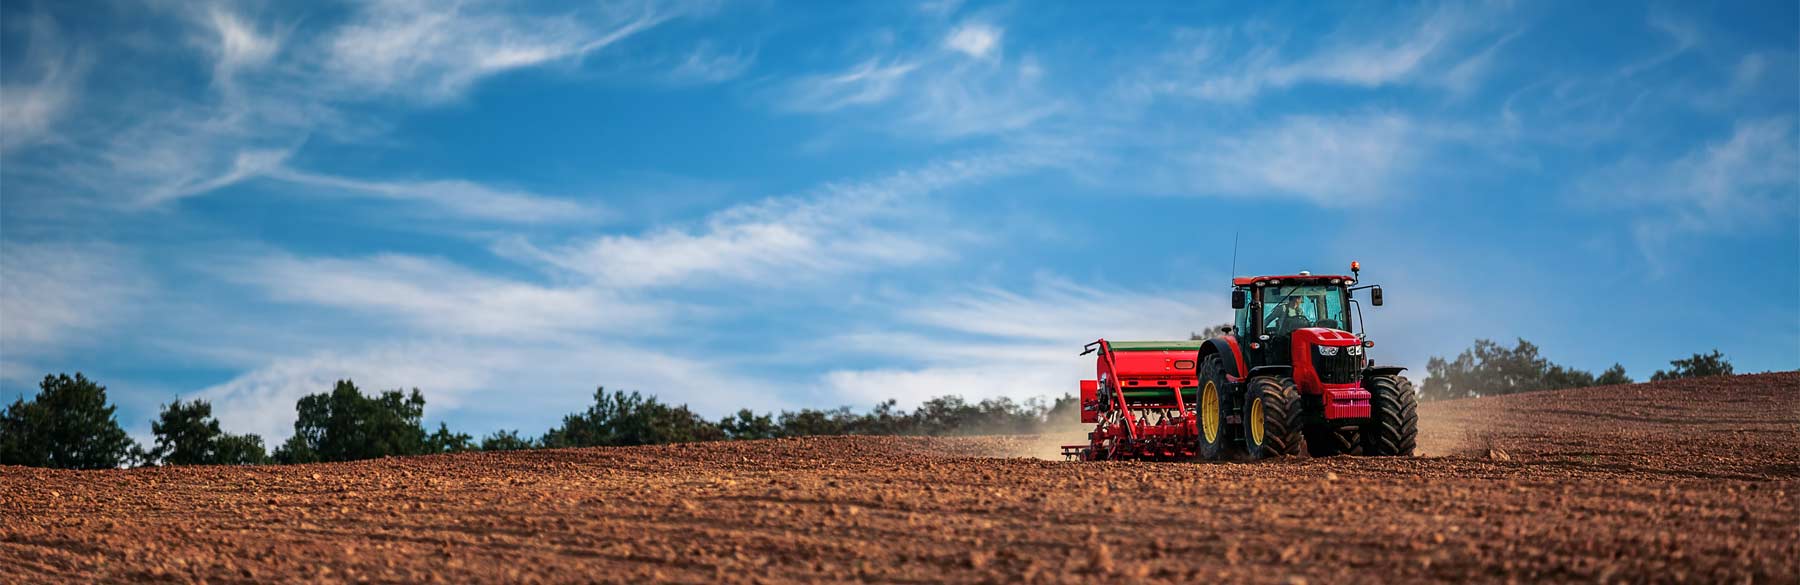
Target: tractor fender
[(1277, 371), (1227, 349), (1383, 371)]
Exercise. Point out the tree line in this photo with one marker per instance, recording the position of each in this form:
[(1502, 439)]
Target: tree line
[(70, 424), (1491, 369)]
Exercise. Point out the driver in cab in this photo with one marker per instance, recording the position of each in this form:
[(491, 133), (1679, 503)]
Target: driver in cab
[(1290, 315)]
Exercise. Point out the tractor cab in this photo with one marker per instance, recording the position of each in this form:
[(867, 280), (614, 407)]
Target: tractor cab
[(1270, 310)]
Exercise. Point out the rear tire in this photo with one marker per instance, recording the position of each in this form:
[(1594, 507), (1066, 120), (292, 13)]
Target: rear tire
[(1324, 441), (1271, 417), (1393, 428), (1209, 413)]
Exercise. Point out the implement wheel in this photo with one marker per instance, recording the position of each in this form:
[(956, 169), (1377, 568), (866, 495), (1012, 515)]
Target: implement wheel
[(1393, 429), (1209, 410), (1271, 417)]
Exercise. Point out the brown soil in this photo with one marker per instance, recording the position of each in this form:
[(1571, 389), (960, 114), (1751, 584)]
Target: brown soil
[(1684, 481)]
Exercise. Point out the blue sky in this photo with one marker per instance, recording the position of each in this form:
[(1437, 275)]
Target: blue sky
[(774, 205)]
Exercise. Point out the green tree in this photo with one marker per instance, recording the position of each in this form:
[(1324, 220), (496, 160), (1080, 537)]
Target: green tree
[(1490, 369), (187, 434), (1701, 365), (810, 422), (1557, 376), (344, 425), (629, 418), (1613, 375), (444, 441), (67, 425), (506, 441), (747, 425), (243, 449)]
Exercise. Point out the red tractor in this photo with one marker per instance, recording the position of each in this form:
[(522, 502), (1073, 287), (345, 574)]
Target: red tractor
[(1292, 371)]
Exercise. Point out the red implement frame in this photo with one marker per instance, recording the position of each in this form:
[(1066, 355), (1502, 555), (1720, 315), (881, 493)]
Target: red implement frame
[(1136, 401)]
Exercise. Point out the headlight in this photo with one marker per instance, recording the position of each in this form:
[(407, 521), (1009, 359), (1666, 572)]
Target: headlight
[(1327, 350), (1353, 350)]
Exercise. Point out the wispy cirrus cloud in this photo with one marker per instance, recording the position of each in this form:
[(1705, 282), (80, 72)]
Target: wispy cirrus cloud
[(991, 342), (707, 63), (236, 43), (1332, 161), (1750, 180), (434, 52), (276, 87), (489, 326), (1239, 64), (437, 296), (1683, 36), (952, 86), (52, 295), (869, 82), (452, 197), (842, 227), (39, 92)]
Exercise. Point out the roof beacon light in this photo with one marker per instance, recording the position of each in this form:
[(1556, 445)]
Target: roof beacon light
[(1355, 266)]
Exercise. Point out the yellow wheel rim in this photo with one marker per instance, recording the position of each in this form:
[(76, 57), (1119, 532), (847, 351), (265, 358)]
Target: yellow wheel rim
[(1209, 411), (1256, 421)]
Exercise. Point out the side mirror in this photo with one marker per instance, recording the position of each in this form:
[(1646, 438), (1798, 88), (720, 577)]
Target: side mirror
[(1375, 295), (1239, 299)]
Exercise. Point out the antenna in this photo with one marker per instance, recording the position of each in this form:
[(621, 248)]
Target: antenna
[(1234, 238)]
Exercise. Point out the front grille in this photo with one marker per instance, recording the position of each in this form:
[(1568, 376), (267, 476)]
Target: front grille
[(1336, 369)]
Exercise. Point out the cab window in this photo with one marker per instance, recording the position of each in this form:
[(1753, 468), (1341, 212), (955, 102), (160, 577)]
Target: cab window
[(1286, 308)]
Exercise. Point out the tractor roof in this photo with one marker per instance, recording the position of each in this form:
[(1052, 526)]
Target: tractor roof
[(1309, 279), (1155, 345)]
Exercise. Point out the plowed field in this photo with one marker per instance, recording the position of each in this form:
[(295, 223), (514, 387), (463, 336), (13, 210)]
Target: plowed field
[(1691, 481)]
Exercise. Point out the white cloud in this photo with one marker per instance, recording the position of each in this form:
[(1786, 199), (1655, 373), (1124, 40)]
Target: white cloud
[(1332, 161), (32, 104), (1466, 76), (433, 51), (706, 64), (1684, 33), (437, 296), (472, 337), (843, 228), (974, 39), (245, 164), (1061, 311), (495, 335), (1749, 180), (965, 90), (52, 295), (1222, 65), (454, 197), (869, 82), (992, 342), (237, 44), (277, 89)]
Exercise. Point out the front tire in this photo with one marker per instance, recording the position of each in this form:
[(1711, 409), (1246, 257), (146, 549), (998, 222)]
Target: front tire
[(1271, 417), (1393, 428), (1209, 410)]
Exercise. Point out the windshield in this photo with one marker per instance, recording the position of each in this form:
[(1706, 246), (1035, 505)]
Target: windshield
[(1286, 308)]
